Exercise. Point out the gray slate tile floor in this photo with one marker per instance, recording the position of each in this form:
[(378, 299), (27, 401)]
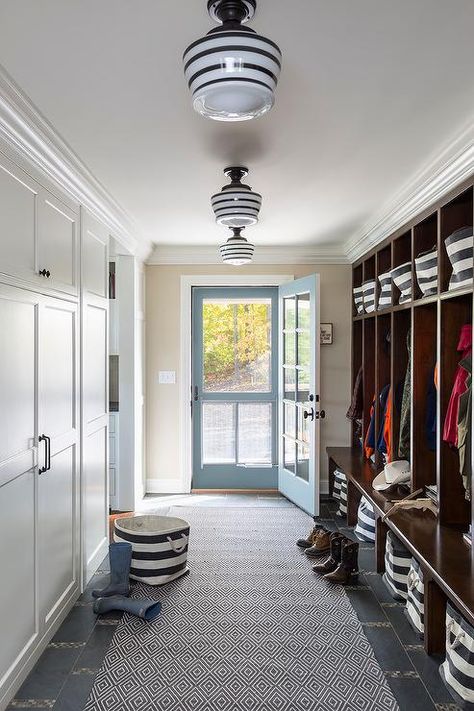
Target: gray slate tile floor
[(65, 673)]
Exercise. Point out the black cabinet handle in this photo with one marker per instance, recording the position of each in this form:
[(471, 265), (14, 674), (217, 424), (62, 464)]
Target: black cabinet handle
[(45, 272), (47, 453)]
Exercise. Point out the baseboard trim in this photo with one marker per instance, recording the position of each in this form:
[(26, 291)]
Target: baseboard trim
[(234, 491), (96, 559)]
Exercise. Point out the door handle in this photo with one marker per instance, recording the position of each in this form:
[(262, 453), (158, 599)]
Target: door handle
[(47, 453), (321, 415), (196, 393), (309, 414)]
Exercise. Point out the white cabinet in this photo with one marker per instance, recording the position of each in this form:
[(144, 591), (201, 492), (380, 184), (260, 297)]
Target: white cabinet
[(113, 459), (39, 524), (38, 233)]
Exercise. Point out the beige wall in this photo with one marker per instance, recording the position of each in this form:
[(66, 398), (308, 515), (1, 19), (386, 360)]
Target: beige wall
[(163, 353)]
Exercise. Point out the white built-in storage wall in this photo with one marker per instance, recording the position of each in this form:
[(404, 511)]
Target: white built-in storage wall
[(53, 411)]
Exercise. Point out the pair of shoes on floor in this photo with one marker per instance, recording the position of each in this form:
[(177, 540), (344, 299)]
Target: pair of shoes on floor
[(341, 565), (115, 596)]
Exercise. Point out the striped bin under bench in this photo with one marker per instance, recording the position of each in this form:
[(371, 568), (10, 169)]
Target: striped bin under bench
[(159, 547), (457, 671), (397, 567), (416, 597), (365, 528)]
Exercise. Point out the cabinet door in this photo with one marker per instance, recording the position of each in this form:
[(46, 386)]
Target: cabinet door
[(18, 208), (58, 522), (18, 456), (57, 243)]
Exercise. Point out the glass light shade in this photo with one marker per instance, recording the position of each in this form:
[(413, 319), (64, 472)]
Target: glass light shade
[(237, 251), (232, 74), (236, 206)]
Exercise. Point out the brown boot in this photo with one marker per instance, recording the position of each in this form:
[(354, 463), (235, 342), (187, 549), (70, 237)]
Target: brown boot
[(348, 570), (321, 544), (308, 542), (331, 563)]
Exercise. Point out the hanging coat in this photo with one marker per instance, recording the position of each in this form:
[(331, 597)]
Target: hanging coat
[(355, 409), (450, 431), (405, 416), (464, 428)]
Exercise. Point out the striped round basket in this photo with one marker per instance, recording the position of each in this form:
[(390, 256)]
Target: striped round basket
[(416, 597), (459, 248), (368, 288), (457, 671), (397, 566), (159, 547), (385, 296), (426, 267), (402, 278), (365, 528), (358, 299)]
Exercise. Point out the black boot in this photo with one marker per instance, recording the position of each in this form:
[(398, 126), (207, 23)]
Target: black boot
[(331, 563), (348, 569), (120, 556)]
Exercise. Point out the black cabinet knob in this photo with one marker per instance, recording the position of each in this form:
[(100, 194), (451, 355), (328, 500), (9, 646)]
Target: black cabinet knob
[(45, 272)]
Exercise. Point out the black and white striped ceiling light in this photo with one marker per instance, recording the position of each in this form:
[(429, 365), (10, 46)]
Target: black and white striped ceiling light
[(236, 205), (232, 72), (237, 250)]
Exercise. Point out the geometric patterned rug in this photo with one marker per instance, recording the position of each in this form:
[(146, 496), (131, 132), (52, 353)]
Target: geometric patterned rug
[(251, 628)]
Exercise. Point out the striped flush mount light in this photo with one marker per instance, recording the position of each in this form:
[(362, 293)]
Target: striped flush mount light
[(236, 205), (237, 250), (232, 72)]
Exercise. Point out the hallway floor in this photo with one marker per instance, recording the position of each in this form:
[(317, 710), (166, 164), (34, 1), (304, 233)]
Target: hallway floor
[(65, 674)]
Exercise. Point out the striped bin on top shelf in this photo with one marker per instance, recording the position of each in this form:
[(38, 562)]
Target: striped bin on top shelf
[(459, 246), (385, 296), (368, 288), (402, 278), (358, 299), (426, 268), (159, 547)]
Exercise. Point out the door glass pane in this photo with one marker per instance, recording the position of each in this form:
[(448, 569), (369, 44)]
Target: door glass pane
[(237, 345), (303, 385), (290, 383), (303, 429), (302, 470), (304, 311), (255, 433), (290, 313), (289, 451), (218, 433), (289, 424), (290, 348), (304, 349)]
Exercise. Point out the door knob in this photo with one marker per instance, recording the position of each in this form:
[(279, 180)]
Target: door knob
[(309, 414), (321, 415), (45, 272)]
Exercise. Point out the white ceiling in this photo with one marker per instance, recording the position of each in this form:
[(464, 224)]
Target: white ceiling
[(370, 92)]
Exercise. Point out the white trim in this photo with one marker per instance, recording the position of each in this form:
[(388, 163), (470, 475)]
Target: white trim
[(169, 485), (448, 170), (36, 145), (203, 254), (187, 282)]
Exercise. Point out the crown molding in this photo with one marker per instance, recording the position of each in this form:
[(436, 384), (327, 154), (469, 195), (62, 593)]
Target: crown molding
[(204, 254), (39, 147), (448, 170)]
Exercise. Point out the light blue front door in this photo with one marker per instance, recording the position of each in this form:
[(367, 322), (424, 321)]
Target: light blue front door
[(299, 401), (235, 388)]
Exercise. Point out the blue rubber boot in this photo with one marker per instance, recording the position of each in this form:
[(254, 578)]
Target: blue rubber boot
[(147, 610), (120, 556)]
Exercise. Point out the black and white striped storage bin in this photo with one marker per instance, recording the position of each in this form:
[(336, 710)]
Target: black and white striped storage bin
[(426, 268), (368, 289), (397, 567), (457, 671), (385, 295), (339, 477), (459, 247), (402, 278), (365, 528), (159, 547), (416, 597), (358, 299)]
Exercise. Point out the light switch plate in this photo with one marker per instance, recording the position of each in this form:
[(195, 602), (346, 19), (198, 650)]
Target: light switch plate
[(167, 377)]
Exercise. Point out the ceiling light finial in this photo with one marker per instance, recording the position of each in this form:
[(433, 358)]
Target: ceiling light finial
[(236, 205), (232, 72), (237, 250)]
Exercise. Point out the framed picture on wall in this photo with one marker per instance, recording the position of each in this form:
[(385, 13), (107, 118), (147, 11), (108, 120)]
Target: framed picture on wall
[(326, 334)]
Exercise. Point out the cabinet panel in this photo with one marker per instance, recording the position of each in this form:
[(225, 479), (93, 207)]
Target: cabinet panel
[(57, 243), (95, 261), (95, 362), (17, 553), (57, 527), (17, 373), (17, 221), (95, 471)]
